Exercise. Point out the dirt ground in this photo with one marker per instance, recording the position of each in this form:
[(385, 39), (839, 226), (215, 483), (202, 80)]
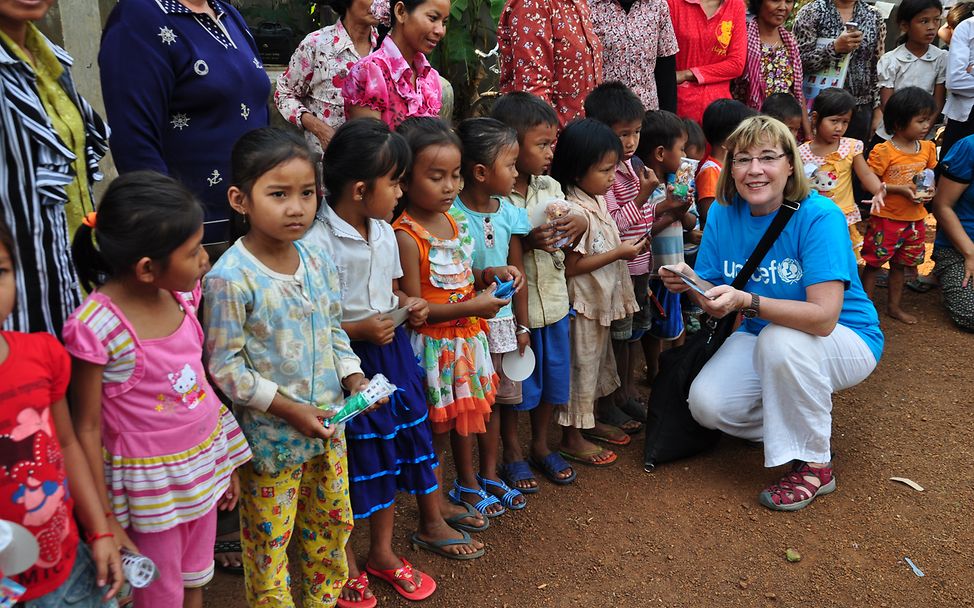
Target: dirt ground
[(692, 533)]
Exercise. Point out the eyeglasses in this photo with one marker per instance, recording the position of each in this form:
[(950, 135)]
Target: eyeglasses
[(765, 160)]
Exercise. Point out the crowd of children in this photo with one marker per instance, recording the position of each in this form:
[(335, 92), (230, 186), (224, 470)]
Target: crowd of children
[(436, 258)]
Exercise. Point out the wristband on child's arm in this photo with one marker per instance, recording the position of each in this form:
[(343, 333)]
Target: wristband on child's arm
[(93, 538)]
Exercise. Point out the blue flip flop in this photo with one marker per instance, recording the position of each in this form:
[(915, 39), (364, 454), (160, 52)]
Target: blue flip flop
[(509, 496), (486, 500), (553, 464), (516, 471), (439, 546), (456, 521)]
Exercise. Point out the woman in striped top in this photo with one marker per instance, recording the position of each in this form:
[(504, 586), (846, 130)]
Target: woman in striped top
[(155, 434)]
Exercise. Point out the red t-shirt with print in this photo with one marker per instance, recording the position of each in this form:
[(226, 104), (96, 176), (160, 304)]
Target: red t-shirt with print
[(33, 484)]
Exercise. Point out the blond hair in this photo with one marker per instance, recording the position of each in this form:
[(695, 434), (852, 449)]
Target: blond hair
[(757, 131)]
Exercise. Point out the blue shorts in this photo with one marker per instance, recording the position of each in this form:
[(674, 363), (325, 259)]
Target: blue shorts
[(550, 380), (79, 590)]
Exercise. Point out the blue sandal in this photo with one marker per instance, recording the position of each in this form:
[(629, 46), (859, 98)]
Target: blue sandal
[(553, 464), (517, 471), (510, 494), (487, 500)]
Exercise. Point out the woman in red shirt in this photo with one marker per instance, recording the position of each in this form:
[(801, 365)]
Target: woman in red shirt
[(713, 47)]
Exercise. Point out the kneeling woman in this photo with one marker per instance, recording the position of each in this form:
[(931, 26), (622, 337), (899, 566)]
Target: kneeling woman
[(809, 329)]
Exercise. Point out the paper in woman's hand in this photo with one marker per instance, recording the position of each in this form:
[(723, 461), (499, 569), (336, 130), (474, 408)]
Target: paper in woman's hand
[(698, 285)]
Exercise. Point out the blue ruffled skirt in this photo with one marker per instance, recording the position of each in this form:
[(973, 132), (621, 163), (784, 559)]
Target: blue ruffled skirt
[(390, 450)]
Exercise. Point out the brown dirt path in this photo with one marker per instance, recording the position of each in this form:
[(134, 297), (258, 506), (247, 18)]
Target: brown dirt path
[(693, 534)]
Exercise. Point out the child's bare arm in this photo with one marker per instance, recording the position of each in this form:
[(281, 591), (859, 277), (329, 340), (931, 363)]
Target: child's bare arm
[(86, 399), (577, 264), (88, 506)]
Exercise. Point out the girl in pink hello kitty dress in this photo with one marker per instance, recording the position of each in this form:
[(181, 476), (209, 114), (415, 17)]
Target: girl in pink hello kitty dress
[(162, 446)]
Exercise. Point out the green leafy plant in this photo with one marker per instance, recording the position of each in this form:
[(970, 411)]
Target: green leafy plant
[(464, 56)]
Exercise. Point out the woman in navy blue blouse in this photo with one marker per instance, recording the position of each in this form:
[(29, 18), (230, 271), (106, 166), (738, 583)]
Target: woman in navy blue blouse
[(182, 80)]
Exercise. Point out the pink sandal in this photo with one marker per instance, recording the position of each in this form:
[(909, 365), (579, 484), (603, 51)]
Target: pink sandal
[(404, 574), (794, 492), (359, 585)]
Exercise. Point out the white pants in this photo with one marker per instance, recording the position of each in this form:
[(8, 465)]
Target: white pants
[(777, 387)]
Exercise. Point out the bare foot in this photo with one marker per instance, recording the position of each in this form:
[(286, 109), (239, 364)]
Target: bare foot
[(900, 315), (442, 531)]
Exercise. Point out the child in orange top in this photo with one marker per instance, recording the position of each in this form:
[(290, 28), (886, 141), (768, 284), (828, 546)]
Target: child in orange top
[(436, 252), (896, 232)]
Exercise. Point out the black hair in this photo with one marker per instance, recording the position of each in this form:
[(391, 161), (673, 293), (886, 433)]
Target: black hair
[(7, 241), (612, 103), (409, 5), (339, 6), (906, 104), (721, 118), (695, 137), (523, 111), (660, 128), (482, 141), (260, 150), (423, 132), (582, 145), (959, 12), (782, 106), (908, 9), (142, 214), (363, 150), (832, 101)]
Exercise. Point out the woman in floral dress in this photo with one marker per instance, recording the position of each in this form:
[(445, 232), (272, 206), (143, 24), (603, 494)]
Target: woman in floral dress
[(773, 63)]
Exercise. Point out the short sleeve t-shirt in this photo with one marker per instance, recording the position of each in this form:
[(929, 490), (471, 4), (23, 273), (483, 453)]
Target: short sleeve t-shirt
[(707, 177), (832, 177), (492, 234), (33, 480), (813, 248), (366, 268), (897, 168), (958, 166)]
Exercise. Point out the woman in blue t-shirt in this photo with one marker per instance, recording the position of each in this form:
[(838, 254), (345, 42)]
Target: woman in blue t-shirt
[(809, 329), (953, 251)]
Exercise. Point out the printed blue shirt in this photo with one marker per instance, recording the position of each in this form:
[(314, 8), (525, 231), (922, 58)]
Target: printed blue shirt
[(180, 89), (813, 248), (492, 232)]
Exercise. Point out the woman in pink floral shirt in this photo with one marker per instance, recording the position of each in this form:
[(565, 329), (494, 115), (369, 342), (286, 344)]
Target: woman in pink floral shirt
[(396, 81), (309, 92), (634, 35)]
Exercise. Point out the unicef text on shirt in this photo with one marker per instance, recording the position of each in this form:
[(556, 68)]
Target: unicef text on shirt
[(787, 271)]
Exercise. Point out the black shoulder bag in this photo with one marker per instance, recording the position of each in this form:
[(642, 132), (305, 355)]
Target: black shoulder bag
[(671, 432)]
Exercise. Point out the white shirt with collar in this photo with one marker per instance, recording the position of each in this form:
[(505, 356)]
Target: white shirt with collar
[(900, 68), (960, 82), (366, 268)]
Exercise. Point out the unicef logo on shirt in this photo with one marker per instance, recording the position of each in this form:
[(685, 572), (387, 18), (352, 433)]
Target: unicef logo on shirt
[(790, 271)]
